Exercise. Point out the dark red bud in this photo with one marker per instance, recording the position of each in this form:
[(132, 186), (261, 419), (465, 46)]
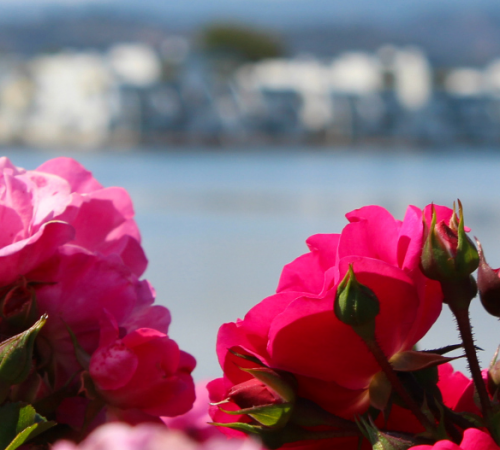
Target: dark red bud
[(448, 238), (17, 299), (252, 393), (488, 283)]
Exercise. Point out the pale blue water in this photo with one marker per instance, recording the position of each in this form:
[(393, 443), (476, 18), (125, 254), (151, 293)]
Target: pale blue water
[(219, 226)]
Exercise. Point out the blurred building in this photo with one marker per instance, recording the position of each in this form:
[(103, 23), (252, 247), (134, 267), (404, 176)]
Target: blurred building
[(135, 94)]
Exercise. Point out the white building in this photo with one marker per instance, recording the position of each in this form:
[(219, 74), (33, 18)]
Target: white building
[(72, 101)]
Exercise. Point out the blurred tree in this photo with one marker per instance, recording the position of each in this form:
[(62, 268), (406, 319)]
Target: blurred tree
[(241, 42)]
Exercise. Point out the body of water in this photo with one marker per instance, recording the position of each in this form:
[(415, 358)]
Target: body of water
[(218, 227)]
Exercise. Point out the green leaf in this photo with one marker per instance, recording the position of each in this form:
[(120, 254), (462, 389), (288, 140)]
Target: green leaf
[(19, 423), (30, 433), (27, 417), (9, 415)]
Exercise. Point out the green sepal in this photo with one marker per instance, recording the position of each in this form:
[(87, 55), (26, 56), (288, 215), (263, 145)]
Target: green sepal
[(380, 390), (356, 305), (441, 428), (275, 439), (436, 261), (495, 426), (48, 405), (467, 260), (274, 381), (439, 432), (247, 358), (474, 419), (240, 426), (309, 414), (380, 440), (96, 402), (444, 350), (16, 354), (272, 416), (82, 356), (410, 361)]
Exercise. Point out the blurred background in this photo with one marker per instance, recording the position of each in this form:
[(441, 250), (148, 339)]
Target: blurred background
[(241, 127)]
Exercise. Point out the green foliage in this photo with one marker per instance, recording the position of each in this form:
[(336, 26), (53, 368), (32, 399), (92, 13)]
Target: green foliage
[(241, 42), (19, 423)]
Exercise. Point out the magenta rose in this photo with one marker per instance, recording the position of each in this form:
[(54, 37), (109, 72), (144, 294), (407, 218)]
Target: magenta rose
[(296, 330), (473, 439), (457, 390)]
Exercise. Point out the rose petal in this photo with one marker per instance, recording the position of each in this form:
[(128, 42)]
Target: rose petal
[(79, 178)]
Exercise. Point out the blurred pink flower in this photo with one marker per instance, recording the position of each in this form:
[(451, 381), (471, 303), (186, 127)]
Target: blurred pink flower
[(195, 423), (118, 436), (473, 439)]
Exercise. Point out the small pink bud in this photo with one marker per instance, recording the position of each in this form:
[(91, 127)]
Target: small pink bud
[(448, 253), (268, 398)]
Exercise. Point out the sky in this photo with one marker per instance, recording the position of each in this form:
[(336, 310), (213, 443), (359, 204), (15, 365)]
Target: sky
[(339, 9)]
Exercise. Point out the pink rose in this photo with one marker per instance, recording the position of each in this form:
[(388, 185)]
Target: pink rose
[(296, 330), (57, 203), (144, 370), (118, 436), (473, 439), (71, 248), (457, 390)]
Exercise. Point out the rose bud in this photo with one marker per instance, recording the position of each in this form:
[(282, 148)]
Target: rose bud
[(493, 381), (488, 283), (448, 254), (18, 307), (16, 354), (268, 398), (380, 440), (356, 305)]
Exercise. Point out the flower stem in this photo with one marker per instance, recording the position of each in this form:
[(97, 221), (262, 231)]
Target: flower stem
[(391, 375), (465, 329)]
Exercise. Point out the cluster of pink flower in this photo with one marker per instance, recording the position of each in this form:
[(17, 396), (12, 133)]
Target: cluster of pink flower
[(70, 251), (328, 362)]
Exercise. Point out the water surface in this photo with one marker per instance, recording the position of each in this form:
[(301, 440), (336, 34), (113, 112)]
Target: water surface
[(218, 227)]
